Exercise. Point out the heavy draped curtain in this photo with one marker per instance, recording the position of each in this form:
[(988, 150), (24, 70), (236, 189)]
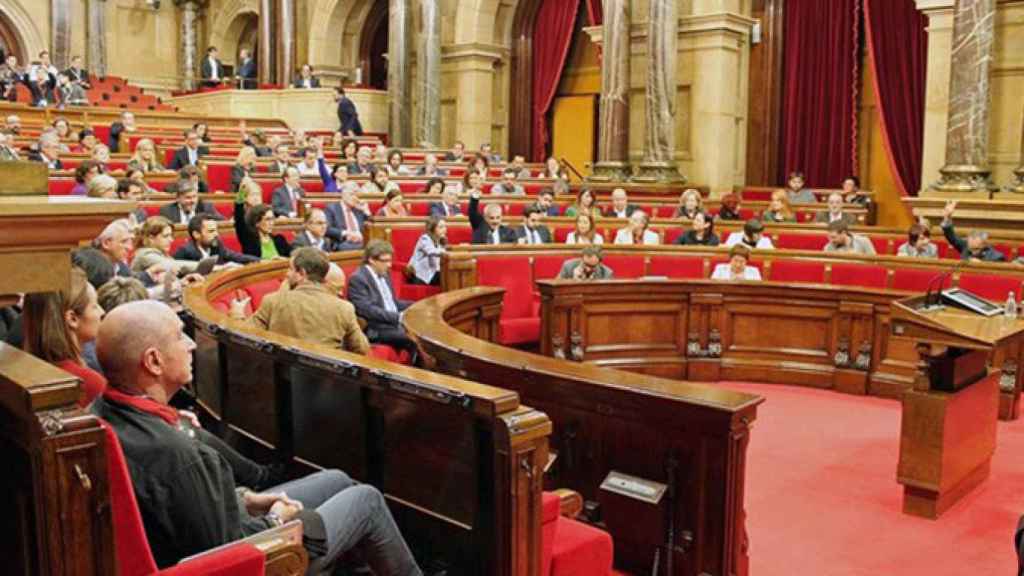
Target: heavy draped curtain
[(820, 82), (898, 48), (552, 35), (595, 12)]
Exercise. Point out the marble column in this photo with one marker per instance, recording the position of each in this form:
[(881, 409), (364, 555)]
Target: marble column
[(966, 169), (613, 138), (189, 44), (285, 34), (97, 38), (660, 104), (400, 118), (60, 34), (428, 76), (266, 55), (1018, 184)]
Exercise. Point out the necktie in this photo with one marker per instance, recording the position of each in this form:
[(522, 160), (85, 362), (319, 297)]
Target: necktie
[(495, 237), (385, 294), (350, 220)]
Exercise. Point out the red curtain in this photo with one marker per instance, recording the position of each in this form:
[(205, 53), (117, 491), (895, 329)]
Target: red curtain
[(552, 35), (820, 83), (595, 12), (898, 48)]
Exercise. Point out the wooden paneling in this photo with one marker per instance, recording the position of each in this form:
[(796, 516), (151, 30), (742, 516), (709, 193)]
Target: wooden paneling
[(765, 105)]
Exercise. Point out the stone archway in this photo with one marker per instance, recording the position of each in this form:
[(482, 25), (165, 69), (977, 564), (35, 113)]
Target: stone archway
[(229, 24), (19, 32), (243, 32), (336, 31)]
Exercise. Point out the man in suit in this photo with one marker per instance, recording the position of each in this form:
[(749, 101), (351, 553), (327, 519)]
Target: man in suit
[(10, 76), (42, 80), (532, 231), (835, 212), (77, 74), (187, 205), (246, 73), (211, 70), (620, 208), (487, 152), (306, 78), (449, 204), (348, 116), (457, 153), (345, 219), (519, 165), (587, 267), (7, 151), (430, 169), (49, 150), (315, 233), (371, 292), (125, 124), (487, 228), (282, 159), (546, 202), (190, 153), (508, 185), (205, 242), (286, 197)]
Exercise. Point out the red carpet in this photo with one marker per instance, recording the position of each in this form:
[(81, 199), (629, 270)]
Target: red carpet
[(822, 497)]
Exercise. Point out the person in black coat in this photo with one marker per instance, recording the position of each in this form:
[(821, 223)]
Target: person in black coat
[(246, 70), (306, 78), (211, 70), (532, 231), (485, 226), (205, 242), (190, 153), (702, 232), (371, 292), (348, 116), (339, 216), (255, 225)]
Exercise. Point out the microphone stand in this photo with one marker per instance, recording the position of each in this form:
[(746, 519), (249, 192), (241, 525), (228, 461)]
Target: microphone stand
[(935, 303)]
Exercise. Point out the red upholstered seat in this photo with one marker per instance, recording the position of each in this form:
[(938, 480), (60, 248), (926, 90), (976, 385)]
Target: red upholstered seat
[(625, 266), (882, 245), (385, 352), (991, 286), (515, 208), (571, 548), (916, 280), (178, 242), (1006, 249), (231, 241), (562, 232), (672, 233), (459, 234), (60, 186), (218, 177), (664, 211), (794, 241), (546, 267), (152, 210), (403, 240), (676, 266), (518, 322), (945, 250), (257, 290), (134, 557), (419, 208), (859, 275), (797, 271)]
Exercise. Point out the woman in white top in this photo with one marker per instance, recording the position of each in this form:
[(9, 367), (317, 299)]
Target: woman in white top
[(396, 164), (636, 232), (425, 264), (379, 183), (585, 232), (736, 268)]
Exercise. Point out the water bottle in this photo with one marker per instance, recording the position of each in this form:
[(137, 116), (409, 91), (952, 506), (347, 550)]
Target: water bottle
[(1010, 309)]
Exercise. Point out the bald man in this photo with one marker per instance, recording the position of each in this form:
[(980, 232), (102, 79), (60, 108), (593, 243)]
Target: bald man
[(185, 484), (488, 228)]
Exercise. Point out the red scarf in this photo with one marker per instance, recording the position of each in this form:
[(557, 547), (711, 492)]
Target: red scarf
[(143, 404)]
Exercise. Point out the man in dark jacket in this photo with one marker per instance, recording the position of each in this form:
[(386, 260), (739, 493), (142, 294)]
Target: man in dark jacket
[(187, 205), (348, 116), (190, 153), (371, 292), (211, 70), (185, 482), (487, 228), (532, 231), (246, 73), (205, 242), (975, 247)]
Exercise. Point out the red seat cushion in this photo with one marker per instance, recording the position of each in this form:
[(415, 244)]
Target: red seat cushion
[(546, 267), (625, 266), (385, 352), (218, 177), (562, 232), (676, 266), (916, 280), (672, 233), (257, 290), (580, 550), (515, 331), (797, 271), (881, 244), (859, 275), (403, 240), (459, 234), (793, 241), (991, 286), (549, 512), (417, 291), (231, 241), (60, 186)]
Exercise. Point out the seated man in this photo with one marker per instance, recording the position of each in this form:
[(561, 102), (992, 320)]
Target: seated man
[(519, 165), (546, 202), (976, 247), (532, 231), (919, 243), (752, 236), (187, 205), (637, 232), (49, 151), (373, 295), (508, 184), (621, 208), (840, 239), (185, 479), (488, 229), (456, 154), (204, 242), (835, 212), (309, 165), (190, 153), (286, 197), (430, 167), (315, 233), (736, 268), (306, 308), (363, 163), (345, 219), (449, 204), (587, 267)]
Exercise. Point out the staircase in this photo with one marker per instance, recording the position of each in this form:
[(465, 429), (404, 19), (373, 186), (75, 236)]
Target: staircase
[(113, 92)]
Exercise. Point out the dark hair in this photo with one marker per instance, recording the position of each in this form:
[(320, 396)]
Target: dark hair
[(391, 195), (739, 250), (345, 143), (916, 231), (510, 170), (255, 214), (856, 181), (753, 226), (307, 151), (484, 159), (838, 226), (125, 184), (533, 209), (211, 49), (593, 250), (197, 222), (730, 200), (435, 180), (401, 157), (709, 220), (342, 167), (546, 190), (465, 177), (377, 248), (432, 221), (312, 262), (796, 174), (84, 169), (187, 171), (97, 267), (84, 132)]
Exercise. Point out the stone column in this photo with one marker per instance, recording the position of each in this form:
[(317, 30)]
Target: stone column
[(660, 105), (400, 117), (97, 38), (266, 54), (1018, 184), (613, 138), (60, 34), (428, 76), (285, 34), (469, 82), (966, 169), (189, 43)]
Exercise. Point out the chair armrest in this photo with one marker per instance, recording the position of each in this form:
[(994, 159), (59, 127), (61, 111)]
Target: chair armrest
[(571, 503), (273, 552)]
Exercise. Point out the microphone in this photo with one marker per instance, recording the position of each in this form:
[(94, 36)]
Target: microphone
[(931, 302)]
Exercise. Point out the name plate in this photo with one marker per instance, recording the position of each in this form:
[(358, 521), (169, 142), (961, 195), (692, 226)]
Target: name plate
[(632, 487)]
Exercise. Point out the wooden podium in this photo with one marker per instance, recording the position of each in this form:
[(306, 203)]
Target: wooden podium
[(948, 431)]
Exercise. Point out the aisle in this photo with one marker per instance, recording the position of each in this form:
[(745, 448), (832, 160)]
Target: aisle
[(822, 498)]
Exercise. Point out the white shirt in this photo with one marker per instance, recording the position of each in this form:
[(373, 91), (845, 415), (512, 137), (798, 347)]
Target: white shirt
[(385, 292), (193, 155), (764, 243), (214, 69), (625, 236), (306, 170), (185, 216), (496, 236), (314, 242), (531, 236), (724, 272), (571, 238)]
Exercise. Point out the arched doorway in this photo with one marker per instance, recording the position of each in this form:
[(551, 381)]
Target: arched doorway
[(242, 33), (10, 41), (373, 46)]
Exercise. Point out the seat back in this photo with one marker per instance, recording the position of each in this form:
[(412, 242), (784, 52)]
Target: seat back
[(916, 279), (797, 271), (513, 274), (991, 286), (793, 241), (677, 266), (625, 266), (546, 267), (859, 275)]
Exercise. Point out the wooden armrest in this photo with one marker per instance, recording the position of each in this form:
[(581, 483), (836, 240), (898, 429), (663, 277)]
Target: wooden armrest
[(287, 560), (571, 503)]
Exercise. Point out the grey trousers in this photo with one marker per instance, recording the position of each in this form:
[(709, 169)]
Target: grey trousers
[(356, 518)]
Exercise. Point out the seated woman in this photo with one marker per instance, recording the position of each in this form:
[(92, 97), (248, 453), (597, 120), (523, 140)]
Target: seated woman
[(393, 205), (480, 165), (245, 166), (553, 169), (203, 131), (101, 155), (349, 151), (852, 193), (336, 179), (585, 231), (585, 204), (86, 142), (425, 264), (471, 182), (690, 204), (379, 182), (145, 158), (636, 232), (435, 186), (136, 175), (156, 235), (395, 165), (736, 268), (730, 209), (919, 243), (57, 325), (254, 224), (779, 209), (701, 233)]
